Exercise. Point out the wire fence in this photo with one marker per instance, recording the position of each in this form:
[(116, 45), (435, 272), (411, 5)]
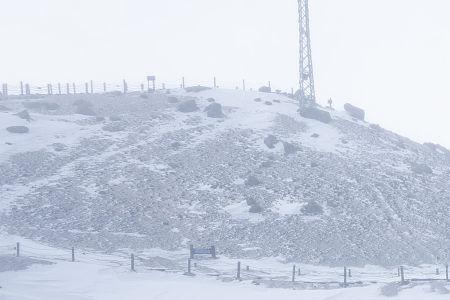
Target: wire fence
[(229, 270), (124, 86)]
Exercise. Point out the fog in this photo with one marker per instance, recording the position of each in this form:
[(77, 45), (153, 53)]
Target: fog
[(389, 57)]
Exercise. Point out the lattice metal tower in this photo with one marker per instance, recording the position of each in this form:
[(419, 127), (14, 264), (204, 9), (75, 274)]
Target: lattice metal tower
[(306, 95)]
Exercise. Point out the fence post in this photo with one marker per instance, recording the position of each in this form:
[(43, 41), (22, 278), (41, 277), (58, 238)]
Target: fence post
[(73, 254), (86, 86), (293, 273), (74, 88), (27, 89), (92, 87), (59, 88), (189, 266), (270, 85), (5, 90), (446, 272), (132, 263), (183, 83), (191, 251), (67, 89), (17, 249), (299, 271), (402, 274), (243, 84), (104, 87), (238, 275), (345, 276), (349, 273), (213, 251), (215, 82), (21, 88), (125, 87)]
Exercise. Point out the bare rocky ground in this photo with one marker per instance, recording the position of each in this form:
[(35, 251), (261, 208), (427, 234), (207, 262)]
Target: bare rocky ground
[(150, 173)]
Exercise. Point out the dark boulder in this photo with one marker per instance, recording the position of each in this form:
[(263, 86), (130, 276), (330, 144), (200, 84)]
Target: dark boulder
[(290, 148), (316, 114), (18, 129), (270, 141), (24, 115), (312, 209), (188, 106), (172, 99), (265, 89), (255, 207), (214, 110), (355, 112), (252, 181)]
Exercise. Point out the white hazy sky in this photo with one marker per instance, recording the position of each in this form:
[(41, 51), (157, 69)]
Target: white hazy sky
[(391, 57)]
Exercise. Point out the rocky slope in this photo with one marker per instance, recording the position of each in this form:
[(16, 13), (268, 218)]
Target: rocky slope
[(240, 170)]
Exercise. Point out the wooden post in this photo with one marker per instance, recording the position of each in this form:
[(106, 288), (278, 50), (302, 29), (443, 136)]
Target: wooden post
[(437, 271), (59, 88), (292, 92), (86, 87), (293, 273), (125, 87), (17, 249), (21, 88), (446, 272), (349, 273), (142, 87), (402, 274), (51, 89), (183, 83), (27, 89), (48, 89), (191, 251), (189, 266), (73, 254), (213, 252), (238, 275), (104, 87), (68, 89), (132, 263), (398, 272), (215, 83), (243, 84), (5, 91), (247, 268), (92, 87), (299, 271), (345, 276), (74, 88), (270, 86)]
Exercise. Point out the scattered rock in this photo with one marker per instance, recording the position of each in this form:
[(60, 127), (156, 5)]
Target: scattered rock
[(58, 147), (268, 103), (252, 181), (277, 101), (265, 89), (24, 115), (316, 114), (144, 96), (18, 129), (211, 100), (255, 207), (312, 209), (270, 141), (196, 89), (188, 106), (214, 110), (375, 126), (421, 169), (289, 148), (175, 145), (315, 135), (258, 100), (355, 112)]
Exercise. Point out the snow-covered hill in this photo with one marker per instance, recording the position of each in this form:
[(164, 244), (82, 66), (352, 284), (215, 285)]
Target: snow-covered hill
[(250, 176)]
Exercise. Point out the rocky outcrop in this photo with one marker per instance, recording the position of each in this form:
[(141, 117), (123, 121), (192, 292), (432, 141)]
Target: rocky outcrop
[(316, 114), (355, 112)]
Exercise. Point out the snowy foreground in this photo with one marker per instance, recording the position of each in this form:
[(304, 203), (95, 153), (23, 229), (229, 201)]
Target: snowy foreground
[(99, 276)]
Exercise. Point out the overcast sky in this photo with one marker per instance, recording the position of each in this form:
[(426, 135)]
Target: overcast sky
[(390, 57)]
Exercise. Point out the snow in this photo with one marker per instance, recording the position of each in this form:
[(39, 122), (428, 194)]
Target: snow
[(240, 211)]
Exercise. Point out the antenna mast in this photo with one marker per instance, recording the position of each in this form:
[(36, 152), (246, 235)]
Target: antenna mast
[(306, 95)]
